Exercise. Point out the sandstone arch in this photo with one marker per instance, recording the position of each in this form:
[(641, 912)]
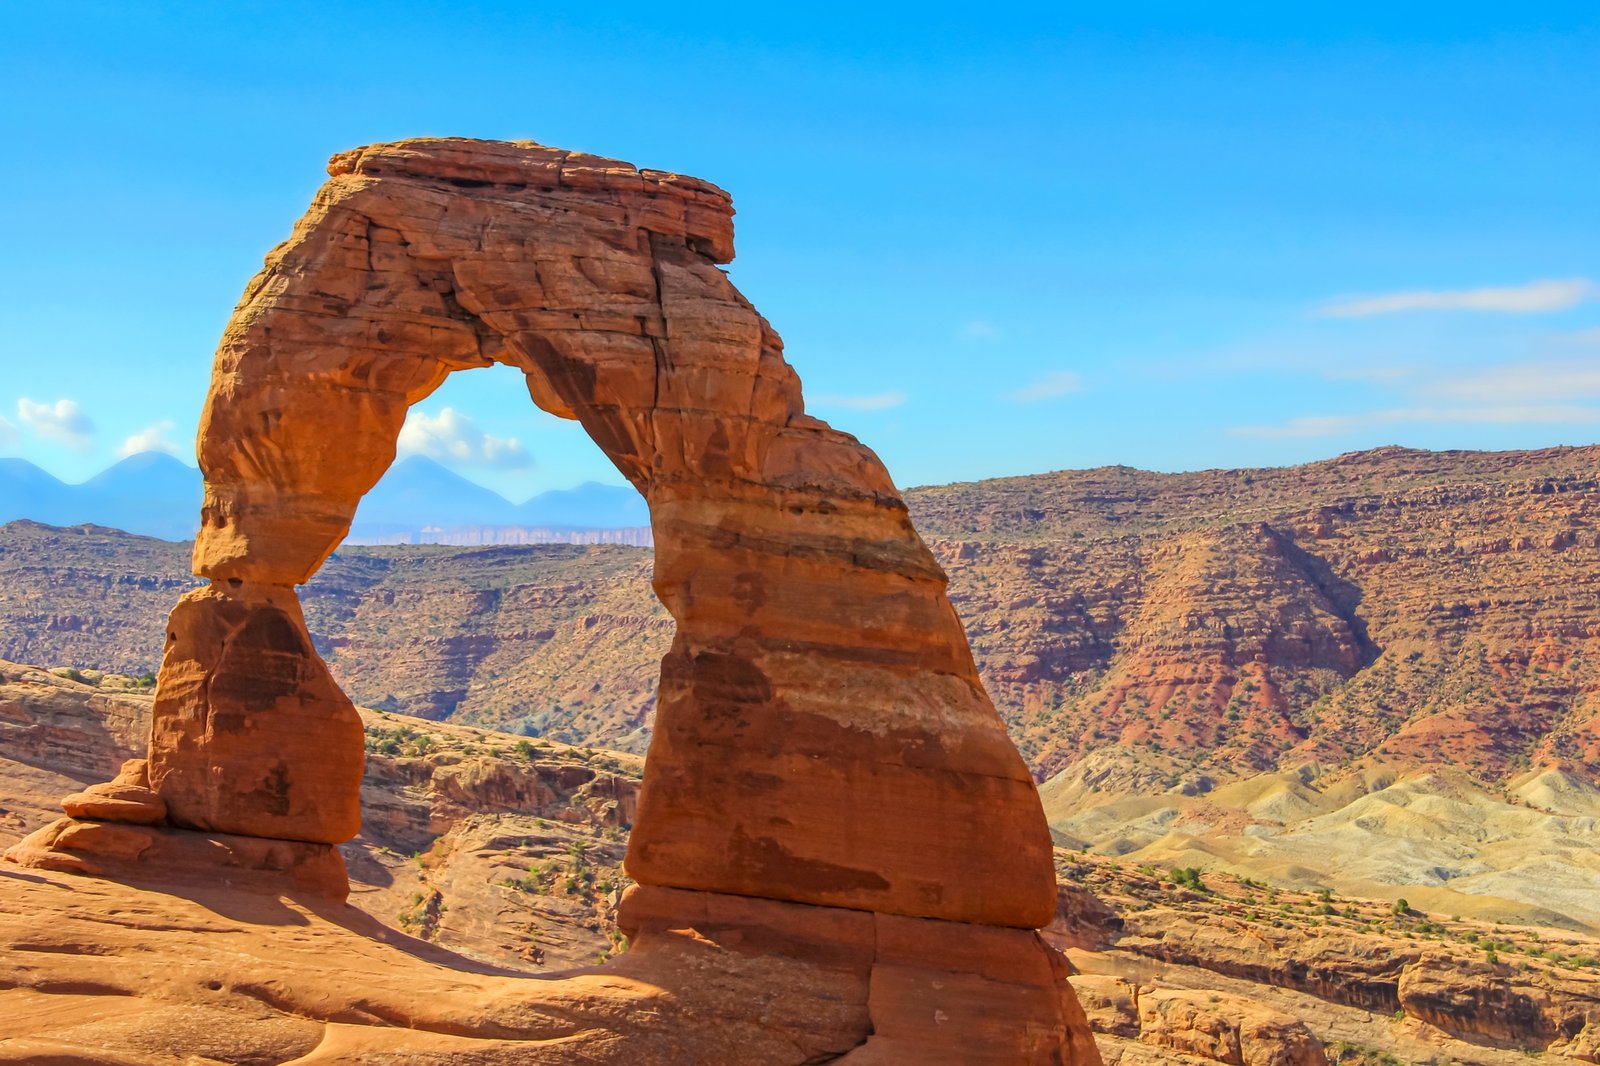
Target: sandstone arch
[(821, 738)]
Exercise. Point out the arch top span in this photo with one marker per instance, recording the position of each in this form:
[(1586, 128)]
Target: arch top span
[(597, 280), (821, 735), (673, 205)]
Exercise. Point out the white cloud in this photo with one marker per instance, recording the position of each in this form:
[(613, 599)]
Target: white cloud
[(1503, 414), (881, 401), (1544, 382), (1060, 383), (150, 439), (452, 437), (8, 432), (1376, 375), (1533, 298), (62, 421), (979, 330)]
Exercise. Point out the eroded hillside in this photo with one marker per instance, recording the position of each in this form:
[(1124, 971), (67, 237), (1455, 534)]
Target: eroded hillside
[(562, 641), (1391, 608)]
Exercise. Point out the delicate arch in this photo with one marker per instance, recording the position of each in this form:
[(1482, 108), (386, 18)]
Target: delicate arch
[(821, 736)]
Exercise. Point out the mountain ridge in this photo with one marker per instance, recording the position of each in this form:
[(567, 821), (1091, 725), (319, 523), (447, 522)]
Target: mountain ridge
[(418, 501)]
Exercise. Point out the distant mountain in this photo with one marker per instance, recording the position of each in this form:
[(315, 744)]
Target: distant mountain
[(28, 492), (151, 493), (590, 504), (418, 492), (417, 502), (421, 502)]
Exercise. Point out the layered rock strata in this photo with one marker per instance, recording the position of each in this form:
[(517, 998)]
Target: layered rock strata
[(822, 739)]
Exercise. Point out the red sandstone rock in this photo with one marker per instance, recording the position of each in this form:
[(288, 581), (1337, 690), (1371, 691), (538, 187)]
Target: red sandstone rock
[(821, 735), (208, 975), (936, 992), (127, 798), (1110, 1003), (165, 856), (1215, 1026), (249, 734), (1226, 1028)]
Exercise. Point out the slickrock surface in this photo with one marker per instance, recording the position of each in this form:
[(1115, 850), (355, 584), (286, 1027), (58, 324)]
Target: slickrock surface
[(508, 852), (100, 972), (821, 740)]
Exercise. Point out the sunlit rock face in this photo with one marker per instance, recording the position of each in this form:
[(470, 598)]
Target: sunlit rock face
[(822, 737)]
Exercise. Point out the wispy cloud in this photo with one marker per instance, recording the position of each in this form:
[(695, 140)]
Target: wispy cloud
[(8, 432), (452, 437), (62, 421), (980, 330), (150, 439), (1543, 382), (1535, 297), (1059, 383), (1500, 415), (881, 401), (1377, 375)]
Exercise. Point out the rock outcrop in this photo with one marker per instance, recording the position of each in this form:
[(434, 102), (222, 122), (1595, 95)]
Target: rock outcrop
[(823, 745), (1350, 969), (1202, 1024)]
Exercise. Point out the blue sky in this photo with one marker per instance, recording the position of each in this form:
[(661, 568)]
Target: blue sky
[(996, 241)]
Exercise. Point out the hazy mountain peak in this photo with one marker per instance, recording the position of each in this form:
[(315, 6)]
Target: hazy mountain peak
[(156, 494)]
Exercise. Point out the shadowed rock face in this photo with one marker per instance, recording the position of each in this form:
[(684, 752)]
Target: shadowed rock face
[(822, 737)]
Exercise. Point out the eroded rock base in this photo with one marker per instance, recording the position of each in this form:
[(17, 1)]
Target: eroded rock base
[(919, 989), (155, 854), (205, 972), (117, 830)]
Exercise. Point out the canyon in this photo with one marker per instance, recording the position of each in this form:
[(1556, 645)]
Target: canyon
[(1387, 655), (1383, 608)]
